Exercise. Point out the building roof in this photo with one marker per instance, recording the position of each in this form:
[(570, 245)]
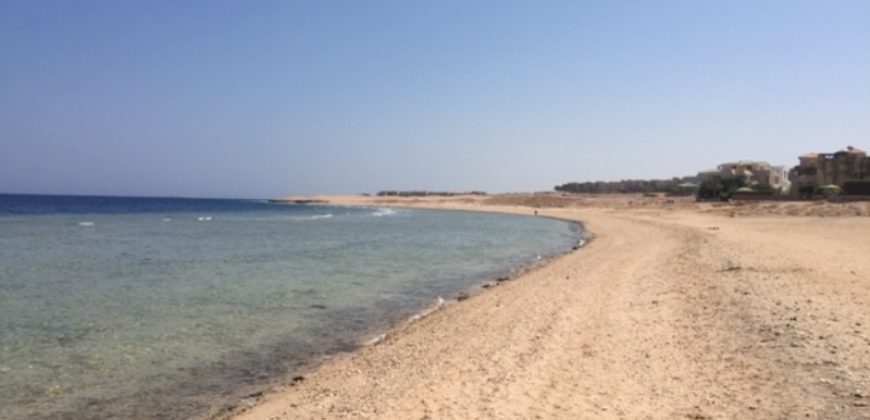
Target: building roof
[(745, 163), (753, 162)]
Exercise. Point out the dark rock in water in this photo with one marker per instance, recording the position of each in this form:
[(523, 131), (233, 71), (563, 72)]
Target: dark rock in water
[(501, 279), (486, 286), (317, 306), (462, 297), (297, 379)]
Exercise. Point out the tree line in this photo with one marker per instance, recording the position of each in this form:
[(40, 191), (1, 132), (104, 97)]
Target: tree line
[(625, 186)]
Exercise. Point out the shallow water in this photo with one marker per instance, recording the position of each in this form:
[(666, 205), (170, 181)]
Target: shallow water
[(161, 308)]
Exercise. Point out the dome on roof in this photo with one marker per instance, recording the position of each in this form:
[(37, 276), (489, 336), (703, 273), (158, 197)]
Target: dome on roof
[(855, 151)]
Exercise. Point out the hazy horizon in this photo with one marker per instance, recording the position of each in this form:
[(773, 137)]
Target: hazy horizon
[(266, 99)]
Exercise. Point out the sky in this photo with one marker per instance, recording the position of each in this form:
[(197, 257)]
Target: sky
[(255, 99)]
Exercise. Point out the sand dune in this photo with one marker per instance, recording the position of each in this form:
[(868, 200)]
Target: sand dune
[(673, 311)]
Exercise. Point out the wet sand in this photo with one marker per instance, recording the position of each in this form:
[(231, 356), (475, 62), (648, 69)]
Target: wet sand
[(673, 311)]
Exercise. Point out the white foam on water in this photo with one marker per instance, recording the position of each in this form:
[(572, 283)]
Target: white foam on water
[(384, 212), (86, 224), (439, 303), (314, 217)]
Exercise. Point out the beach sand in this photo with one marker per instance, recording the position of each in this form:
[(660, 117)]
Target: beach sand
[(674, 310)]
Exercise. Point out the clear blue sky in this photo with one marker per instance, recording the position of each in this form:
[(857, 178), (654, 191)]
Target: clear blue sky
[(270, 98)]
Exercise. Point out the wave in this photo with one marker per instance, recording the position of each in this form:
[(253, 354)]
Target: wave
[(314, 217), (384, 212)]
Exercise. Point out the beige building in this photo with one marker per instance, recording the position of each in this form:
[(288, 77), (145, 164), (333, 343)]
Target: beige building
[(756, 173), (820, 169)]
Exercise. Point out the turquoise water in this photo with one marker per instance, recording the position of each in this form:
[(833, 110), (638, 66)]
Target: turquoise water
[(166, 309)]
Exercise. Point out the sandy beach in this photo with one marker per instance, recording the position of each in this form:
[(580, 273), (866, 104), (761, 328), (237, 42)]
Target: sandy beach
[(675, 310)]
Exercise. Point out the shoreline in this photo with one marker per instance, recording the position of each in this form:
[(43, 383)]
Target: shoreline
[(669, 313), (249, 396), (480, 286), (395, 329)]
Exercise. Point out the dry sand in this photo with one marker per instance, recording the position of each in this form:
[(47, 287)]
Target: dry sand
[(675, 310)]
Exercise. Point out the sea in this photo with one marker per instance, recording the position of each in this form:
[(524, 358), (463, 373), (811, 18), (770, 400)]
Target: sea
[(176, 308)]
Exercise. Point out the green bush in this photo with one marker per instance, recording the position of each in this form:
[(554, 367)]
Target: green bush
[(806, 191), (764, 190), (828, 191), (720, 187)]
